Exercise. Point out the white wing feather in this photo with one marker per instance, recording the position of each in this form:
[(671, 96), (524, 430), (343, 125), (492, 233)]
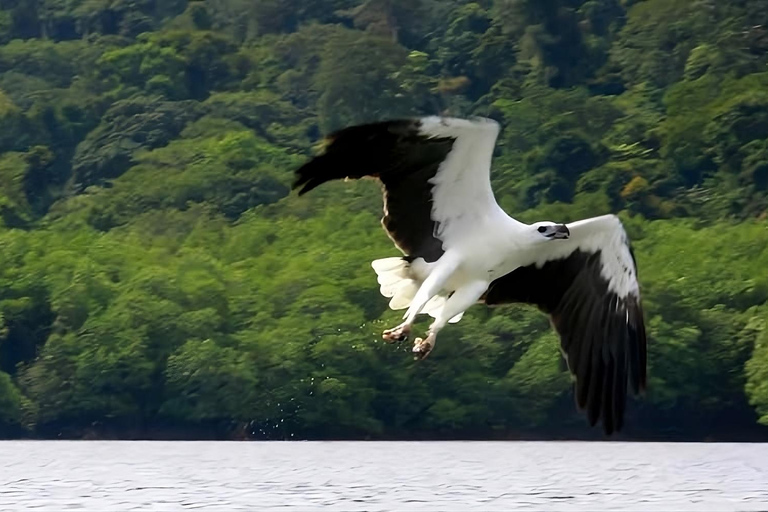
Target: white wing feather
[(463, 199)]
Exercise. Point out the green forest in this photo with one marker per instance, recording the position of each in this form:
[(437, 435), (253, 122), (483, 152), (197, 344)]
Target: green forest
[(158, 279)]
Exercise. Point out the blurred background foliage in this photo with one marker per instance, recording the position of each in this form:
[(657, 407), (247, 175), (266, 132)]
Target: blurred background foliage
[(157, 279)]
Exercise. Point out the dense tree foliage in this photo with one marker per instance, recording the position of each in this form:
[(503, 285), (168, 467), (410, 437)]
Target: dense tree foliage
[(158, 278)]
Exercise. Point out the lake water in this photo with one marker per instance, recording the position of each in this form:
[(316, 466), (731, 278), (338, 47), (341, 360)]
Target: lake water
[(372, 476)]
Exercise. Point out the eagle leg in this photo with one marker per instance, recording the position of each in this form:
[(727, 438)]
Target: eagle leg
[(460, 301), (428, 289), (397, 334)]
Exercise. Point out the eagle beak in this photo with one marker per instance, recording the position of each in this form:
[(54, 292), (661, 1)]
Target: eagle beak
[(561, 233)]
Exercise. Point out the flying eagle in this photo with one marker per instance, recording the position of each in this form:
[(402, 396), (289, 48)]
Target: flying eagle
[(461, 248)]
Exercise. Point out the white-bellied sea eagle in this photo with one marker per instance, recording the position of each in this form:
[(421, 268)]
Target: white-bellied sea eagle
[(461, 248)]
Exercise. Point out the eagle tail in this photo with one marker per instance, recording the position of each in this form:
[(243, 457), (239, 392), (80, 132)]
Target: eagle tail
[(395, 281), (398, 283)]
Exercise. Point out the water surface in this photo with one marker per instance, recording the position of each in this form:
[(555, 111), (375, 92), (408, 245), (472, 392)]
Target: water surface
[(370, 476)]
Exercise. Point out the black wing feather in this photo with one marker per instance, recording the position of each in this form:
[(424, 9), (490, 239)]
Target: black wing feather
[(404, 160), (602, 335)]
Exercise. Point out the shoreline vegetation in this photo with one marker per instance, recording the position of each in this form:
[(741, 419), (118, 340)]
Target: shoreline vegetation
[(227, 432), (158, 280)]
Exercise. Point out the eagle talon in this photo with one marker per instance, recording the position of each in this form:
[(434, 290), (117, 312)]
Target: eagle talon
[(422, 348), (396, 334)]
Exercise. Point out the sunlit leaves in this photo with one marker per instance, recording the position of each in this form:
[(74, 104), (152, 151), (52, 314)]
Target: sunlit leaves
[(155, 69)]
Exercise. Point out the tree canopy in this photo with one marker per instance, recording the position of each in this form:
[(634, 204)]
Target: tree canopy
[(157, 278)]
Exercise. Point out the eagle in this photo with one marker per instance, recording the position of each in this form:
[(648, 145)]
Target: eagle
[(460, 248)]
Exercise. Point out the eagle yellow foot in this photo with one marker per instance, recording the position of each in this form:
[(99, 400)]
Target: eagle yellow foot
[(423, 347), (399, 333)]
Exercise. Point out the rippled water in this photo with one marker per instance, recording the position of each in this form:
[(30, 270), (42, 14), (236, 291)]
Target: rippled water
[(146, 476)]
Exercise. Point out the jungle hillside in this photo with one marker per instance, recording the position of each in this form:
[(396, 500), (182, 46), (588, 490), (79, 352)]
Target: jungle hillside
[(158, 279)]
